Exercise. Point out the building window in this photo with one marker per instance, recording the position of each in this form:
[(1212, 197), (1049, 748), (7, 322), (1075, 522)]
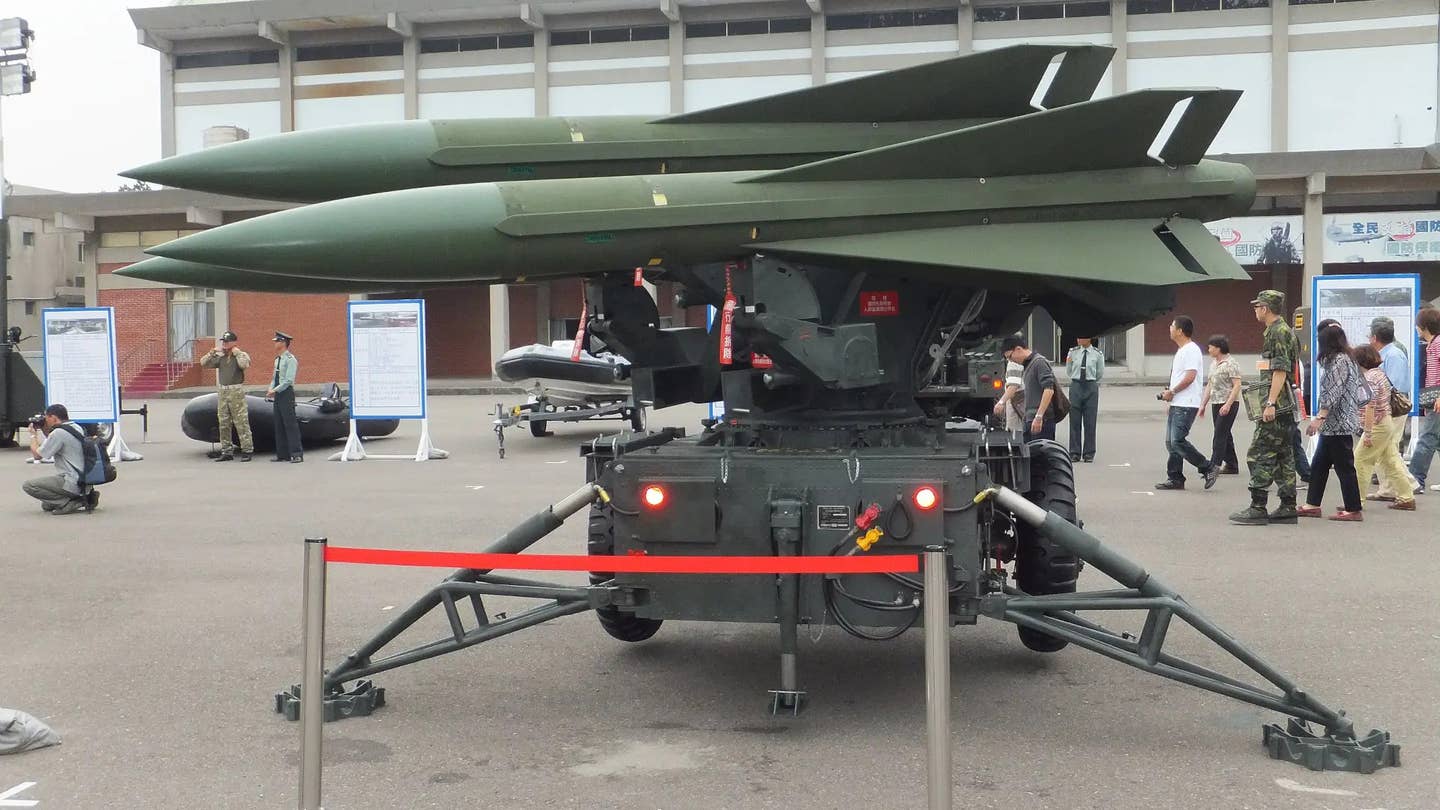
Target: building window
[(29, 307), (365, 50), (996, 13), (27, 239), (1147, 7), (79, 251), (1197, 5), (741, 28), (1045, 11), (1232, 4), (526, 40), (900, 18), (185, 61)]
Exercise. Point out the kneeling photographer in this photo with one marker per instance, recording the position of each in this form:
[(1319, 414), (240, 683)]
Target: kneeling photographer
[(62, 493)]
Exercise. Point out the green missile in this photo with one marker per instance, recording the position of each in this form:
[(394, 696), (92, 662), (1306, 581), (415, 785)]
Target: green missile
[(1071, 192), (192, 274), (776, 131)]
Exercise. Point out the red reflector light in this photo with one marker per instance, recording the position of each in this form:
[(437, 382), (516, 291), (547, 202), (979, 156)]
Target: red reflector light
[(654, 496), (926, 498)]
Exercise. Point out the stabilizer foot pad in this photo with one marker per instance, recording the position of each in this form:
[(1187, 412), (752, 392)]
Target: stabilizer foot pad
[(786, 701), (360, 701), (1298, 744)]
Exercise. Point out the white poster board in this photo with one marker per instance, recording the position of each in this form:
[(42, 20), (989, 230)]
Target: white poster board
[(1383, 236), (80, 372), (1356, 301), (387, 359)]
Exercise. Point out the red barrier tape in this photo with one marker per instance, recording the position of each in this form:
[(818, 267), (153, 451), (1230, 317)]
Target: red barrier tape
[(637, 564)]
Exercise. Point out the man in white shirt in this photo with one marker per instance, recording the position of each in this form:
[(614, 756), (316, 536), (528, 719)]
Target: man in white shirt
[(1187, 381)]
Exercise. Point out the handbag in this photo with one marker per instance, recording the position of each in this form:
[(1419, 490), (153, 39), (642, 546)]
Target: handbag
[(1255, 394), (1400, 404), (1059, 404), (1428, 397)]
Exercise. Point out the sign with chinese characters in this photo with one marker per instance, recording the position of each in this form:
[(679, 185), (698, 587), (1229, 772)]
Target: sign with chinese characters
[(1355, 302), (80, 362), (1393, 236), (1262, 240), (387, 359)]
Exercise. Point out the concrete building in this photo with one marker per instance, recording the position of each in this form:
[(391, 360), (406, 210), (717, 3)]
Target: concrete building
[(47, 265), (1337, 119)]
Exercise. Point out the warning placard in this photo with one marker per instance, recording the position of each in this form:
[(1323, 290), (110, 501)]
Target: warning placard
[(880, 302)]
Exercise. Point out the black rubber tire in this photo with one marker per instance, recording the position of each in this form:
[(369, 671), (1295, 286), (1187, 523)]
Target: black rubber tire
[(1040, 566), (618, 623), (537, 428)]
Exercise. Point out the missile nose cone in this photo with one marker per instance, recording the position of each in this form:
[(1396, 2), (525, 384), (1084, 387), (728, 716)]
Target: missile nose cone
[(437, 234), (166, 271), (320, 164)]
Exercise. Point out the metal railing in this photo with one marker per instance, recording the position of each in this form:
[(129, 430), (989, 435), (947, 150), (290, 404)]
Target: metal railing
[(181, 359), (150, 350)]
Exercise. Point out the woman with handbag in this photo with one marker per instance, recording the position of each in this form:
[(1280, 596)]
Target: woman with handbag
[(1222, 392), (1337, 420), (1378, 435)]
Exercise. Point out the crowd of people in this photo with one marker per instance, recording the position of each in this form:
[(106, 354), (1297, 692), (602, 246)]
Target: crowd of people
[(1360, 426), (57, 439)]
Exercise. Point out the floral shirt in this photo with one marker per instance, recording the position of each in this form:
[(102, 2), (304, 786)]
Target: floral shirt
[(1223, 374), (1339, 398)]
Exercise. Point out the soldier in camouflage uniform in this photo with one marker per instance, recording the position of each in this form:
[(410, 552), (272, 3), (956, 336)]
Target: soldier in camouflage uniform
[(1272, 457), (230, 363)]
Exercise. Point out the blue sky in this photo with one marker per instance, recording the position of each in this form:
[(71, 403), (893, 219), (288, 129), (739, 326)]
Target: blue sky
[(95, 106)]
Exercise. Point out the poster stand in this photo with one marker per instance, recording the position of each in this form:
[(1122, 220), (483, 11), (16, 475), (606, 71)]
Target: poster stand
[(119, 451), (355, 449), (387, 373)]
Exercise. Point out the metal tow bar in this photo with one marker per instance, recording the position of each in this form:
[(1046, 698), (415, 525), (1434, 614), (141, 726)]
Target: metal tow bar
[(1337, 749), (474, 584)]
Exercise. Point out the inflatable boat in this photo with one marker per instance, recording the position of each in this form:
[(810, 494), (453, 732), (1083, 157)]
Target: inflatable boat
[(324, 419), (552, 376)]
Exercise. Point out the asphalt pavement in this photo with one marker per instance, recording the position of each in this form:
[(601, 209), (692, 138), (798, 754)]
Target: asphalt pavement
[(153, 634)]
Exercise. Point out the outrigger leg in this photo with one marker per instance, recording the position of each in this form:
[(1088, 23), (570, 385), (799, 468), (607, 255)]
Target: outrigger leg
[(1337, 749), (474, 584)]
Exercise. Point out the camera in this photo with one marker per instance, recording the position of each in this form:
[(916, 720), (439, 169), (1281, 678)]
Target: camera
[(37, 421), (1160, 397)]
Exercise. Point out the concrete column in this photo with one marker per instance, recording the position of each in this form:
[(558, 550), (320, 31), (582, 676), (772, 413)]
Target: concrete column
[(222, 311), (1120, 66), (677, 67), (1280, 78), (167, 106), (542, 313), (817, 48), (287, 88), (410, 56), (966, 21), (542, 74), (1314, 224), (1135, 350), (499, 323)]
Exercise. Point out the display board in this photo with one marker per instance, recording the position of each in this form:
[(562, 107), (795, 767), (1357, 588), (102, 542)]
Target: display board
[(1356, 301), (80, 362), (387, 359), (1262, 240), (1383, 236)]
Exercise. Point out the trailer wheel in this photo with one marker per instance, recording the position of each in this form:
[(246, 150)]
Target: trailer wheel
[(537, 428), (618, 623), (1040, 566)]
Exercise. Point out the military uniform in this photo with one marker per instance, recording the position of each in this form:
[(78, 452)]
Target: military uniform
[(231, 410), (1272, 457), (287, 427)]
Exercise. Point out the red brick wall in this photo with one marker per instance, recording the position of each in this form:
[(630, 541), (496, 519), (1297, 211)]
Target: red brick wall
[(1223, 308), (140, 315), (317, 322), (457, 338)]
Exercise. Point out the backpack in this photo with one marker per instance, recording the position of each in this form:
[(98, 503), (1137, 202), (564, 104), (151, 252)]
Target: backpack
[(96, 467)]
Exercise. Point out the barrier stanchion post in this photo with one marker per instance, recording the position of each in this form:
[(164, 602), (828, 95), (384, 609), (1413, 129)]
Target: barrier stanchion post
[(312, 676), (937, 679)]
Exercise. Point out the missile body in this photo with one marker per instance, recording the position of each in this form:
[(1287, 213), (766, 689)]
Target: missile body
[(191, 274), (788, 129), (555, 228)]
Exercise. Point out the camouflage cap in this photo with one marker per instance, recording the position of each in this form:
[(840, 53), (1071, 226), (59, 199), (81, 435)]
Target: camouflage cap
[(1274, 299)]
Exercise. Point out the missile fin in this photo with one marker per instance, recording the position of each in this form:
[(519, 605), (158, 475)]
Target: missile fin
[(998, 83), (1138, 252), (1109, 133)]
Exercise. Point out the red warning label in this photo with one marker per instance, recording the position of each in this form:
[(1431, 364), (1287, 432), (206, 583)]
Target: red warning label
[(885, 302)]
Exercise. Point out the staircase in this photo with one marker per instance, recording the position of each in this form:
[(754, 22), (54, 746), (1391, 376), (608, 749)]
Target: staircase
[(153, 378)]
